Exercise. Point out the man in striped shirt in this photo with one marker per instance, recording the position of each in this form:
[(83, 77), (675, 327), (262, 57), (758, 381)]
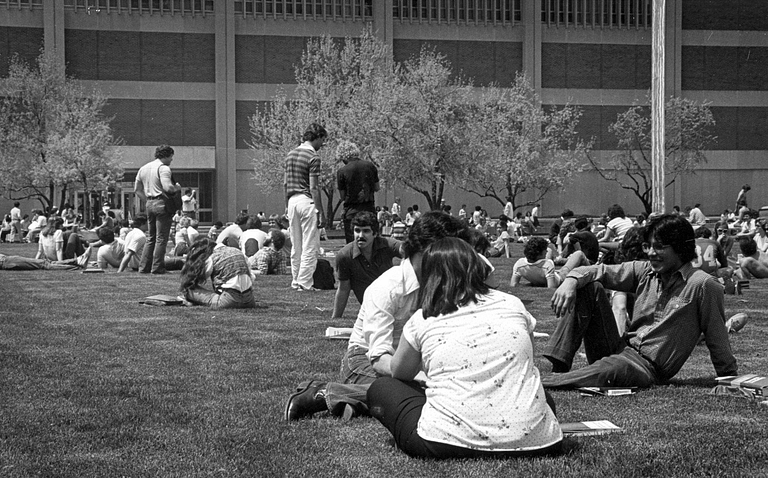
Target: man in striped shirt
[(306, 215)]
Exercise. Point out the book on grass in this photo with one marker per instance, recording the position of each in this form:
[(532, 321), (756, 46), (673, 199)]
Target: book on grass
[(161, 300), (596, 427), (607, 391), (338, 333), (755, 384), (93, 270)]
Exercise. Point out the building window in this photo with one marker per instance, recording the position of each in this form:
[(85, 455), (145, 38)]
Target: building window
[(500, 12), (597, 13)]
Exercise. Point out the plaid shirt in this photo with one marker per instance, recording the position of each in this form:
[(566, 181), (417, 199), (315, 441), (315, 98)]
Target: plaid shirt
[(267, 261), (300, 164)]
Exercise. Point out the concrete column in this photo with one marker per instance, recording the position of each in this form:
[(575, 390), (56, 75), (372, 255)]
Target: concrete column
[(673, 72), (382, 21), (225, 196), (531, 18), (53, 29)]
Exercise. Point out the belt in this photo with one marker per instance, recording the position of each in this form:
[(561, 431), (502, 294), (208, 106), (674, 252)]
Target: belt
[(153, 197)]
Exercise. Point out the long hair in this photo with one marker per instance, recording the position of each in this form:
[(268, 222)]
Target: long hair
[(193, 272), (454, 275), (432, 226), (52, 225)]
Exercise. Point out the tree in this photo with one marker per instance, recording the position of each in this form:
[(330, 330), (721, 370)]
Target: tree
[(426, 126), (340, 84), (687, 124), (53, 133), (518, 147)]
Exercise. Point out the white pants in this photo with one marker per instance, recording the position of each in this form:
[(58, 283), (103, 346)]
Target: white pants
[(305, 239)]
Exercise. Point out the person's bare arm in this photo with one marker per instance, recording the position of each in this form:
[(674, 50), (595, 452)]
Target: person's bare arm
[(317, 197), (341, 298), (406, 362), (125, 261)]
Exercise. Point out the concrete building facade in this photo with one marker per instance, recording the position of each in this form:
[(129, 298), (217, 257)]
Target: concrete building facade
[(190, 72)]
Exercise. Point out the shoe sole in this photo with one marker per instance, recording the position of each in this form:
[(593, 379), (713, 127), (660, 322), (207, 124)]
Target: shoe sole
[(294, 395), (737, 322)]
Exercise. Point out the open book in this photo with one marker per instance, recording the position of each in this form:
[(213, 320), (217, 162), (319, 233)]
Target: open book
[(598, 427)]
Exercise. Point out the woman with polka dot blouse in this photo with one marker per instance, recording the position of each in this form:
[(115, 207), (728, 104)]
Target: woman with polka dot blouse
[(483, 395)]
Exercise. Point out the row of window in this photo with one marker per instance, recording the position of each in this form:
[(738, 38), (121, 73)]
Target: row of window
[(597, 13), (307, 9), (151, 7), (504, 12)]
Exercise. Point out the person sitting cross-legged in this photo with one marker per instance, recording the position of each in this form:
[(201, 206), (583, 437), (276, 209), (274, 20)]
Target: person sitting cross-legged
[(674, 305), (228, 271)]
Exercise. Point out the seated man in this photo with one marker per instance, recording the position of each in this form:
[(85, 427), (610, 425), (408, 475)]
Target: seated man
[(754, 264), (126, 254), (363, 260), (230, 236), (387, 305), (674, 305), (582, 240), (270, 258), (252, 239), (539, 270), (709, 255)]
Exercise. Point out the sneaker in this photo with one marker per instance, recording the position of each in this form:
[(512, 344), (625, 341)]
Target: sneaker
[(82, 260), (736, 323)]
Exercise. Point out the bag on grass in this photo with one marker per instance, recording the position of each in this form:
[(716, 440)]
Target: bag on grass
[(323, 277)]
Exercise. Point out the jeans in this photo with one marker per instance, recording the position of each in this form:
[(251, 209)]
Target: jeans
[(305, 238), (397, 405), (152, 260), (228, 299), (74, 245), (15, 234), (612, 363), (19, 263), (357, 375)]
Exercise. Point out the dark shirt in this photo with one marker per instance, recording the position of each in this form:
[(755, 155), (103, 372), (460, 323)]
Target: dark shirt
[(709, 256), (588, 243), (357, 179), (667, 321), (352, 265)]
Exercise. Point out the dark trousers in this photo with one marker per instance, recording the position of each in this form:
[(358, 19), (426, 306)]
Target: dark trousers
[(74, 245), (397, 405), (612, 363), (349, 213)]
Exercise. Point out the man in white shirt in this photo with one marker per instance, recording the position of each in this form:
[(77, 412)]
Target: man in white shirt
[(396, 207), (15, 234), (252, 239), (387, 305), (189, 204)]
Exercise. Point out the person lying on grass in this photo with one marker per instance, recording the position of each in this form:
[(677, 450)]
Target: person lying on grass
[(537, 269), (20, 263), (387, 304), (126, 254), (674, 305), (228, 270), (483, 395)]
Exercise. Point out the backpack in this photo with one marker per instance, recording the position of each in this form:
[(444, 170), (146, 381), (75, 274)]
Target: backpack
[(323, 277)]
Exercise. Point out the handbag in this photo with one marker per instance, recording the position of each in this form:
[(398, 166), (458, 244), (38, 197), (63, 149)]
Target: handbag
[(172, 201)]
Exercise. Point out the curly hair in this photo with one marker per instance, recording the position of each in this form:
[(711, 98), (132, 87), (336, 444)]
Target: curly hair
[(366, 219), (616, 211), (534, 247), (163, 151), (347, 150), (193, 272)]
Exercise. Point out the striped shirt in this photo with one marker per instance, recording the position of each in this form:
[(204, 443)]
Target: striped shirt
[(300, 164)]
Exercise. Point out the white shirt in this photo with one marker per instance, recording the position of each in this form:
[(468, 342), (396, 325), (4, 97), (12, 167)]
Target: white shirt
[(387, 305), (483, 390), (188, 203), (619, 226), (257, 234), (536, 273), (111, 254), (134, 242)]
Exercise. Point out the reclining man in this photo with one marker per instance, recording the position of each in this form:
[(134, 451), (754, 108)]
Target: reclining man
[(674, 305), (363, 260), (126, 254), (387, 305)]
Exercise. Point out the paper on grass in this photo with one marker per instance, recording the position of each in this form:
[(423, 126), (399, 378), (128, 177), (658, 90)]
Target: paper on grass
[(338, 333), (595, 427)]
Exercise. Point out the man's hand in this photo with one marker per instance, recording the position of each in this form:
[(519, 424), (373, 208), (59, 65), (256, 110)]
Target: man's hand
[(564, 297)]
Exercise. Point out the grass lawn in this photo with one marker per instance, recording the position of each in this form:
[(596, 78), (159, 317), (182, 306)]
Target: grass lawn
[(94, 384)]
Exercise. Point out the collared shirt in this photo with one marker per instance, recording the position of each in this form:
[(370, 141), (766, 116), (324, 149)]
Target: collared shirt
[(667, 321), (135, 242), (152, 183), (352, 265), (301, 163), (388, 304), (267, 261)]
